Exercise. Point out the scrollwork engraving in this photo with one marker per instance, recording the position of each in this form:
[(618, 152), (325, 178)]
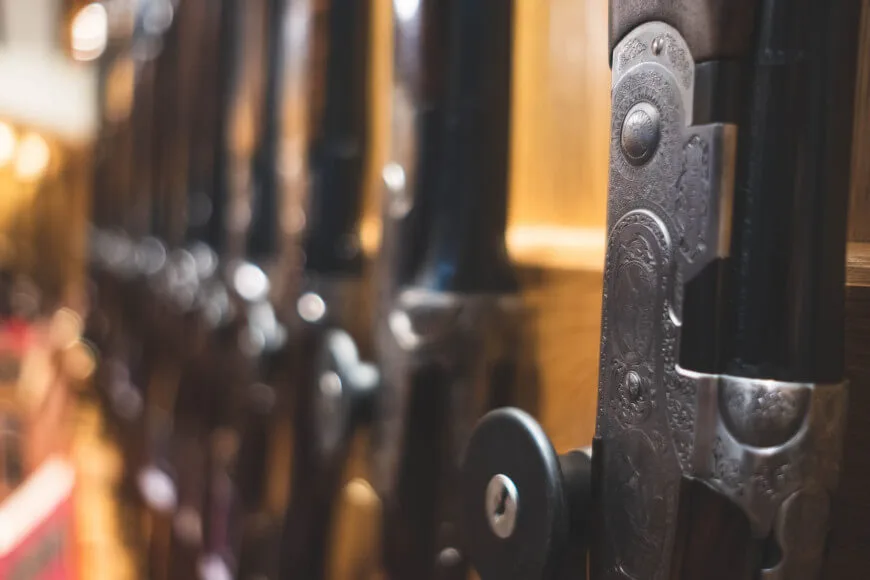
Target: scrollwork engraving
[(632, 49), (642, 490), (679, 58), (640, 504), (634, 294), (693, 194)]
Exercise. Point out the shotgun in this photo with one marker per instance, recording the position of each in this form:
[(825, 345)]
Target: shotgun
[(722, 397), (449, 332), (326, 377), (448, 312), (165, 276), (121, 216)]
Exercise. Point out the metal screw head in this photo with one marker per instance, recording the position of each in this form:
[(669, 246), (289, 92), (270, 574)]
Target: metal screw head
[(641, 131), (502, 503), (658, 44)]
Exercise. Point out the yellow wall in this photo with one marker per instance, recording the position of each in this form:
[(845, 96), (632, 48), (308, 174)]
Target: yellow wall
[(561, 113)]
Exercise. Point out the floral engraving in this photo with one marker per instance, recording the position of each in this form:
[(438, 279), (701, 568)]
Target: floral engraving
[(639, 504), (632, 49), (634, 295), (680, 60), (640, 466), (691, 203)]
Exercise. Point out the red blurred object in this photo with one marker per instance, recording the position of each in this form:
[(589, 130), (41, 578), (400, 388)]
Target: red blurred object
[(15, 336), (36, 526)]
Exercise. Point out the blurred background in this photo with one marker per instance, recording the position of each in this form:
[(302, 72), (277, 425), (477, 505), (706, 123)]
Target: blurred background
[(101, 105)]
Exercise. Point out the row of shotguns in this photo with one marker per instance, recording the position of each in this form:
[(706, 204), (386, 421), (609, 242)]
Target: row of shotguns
[(229, 291)]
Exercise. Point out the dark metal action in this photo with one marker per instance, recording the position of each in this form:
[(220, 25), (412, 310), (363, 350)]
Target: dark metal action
[(721, 390)]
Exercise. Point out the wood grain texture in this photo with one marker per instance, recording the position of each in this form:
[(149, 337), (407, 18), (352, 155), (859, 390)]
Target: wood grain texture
[(565, 324), (848, 555), (858, 264), (561, 114)]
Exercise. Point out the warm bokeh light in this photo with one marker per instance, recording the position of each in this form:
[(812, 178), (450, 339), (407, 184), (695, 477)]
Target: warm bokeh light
[(65, 328), (8, 142), (79, 361), (89, 32), (120, 83), (33, 157)]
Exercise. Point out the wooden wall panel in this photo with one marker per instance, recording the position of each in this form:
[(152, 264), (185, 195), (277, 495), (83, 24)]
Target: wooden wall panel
[(561, 114), (848, 556)]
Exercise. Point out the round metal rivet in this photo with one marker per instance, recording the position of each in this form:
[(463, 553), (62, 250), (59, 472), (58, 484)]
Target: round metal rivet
[(502, 503), (640, 135)]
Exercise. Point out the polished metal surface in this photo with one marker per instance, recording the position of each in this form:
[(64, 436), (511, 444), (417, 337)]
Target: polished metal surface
[(772, 448), (668, 217), (502, 504), (641, 131)]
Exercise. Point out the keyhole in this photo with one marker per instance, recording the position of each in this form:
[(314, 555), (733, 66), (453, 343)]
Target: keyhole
[(501, 505)]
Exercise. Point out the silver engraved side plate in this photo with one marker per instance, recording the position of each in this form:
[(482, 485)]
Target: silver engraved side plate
[(770, 447), (774, 449)]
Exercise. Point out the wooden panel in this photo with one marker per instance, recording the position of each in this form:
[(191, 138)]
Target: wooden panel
[(565, 324), (561, 113), (848, 555)]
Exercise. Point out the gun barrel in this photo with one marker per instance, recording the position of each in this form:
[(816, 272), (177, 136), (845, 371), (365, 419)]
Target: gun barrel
[(466, 248), (339, 134), (447, 341), (789, 241)]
